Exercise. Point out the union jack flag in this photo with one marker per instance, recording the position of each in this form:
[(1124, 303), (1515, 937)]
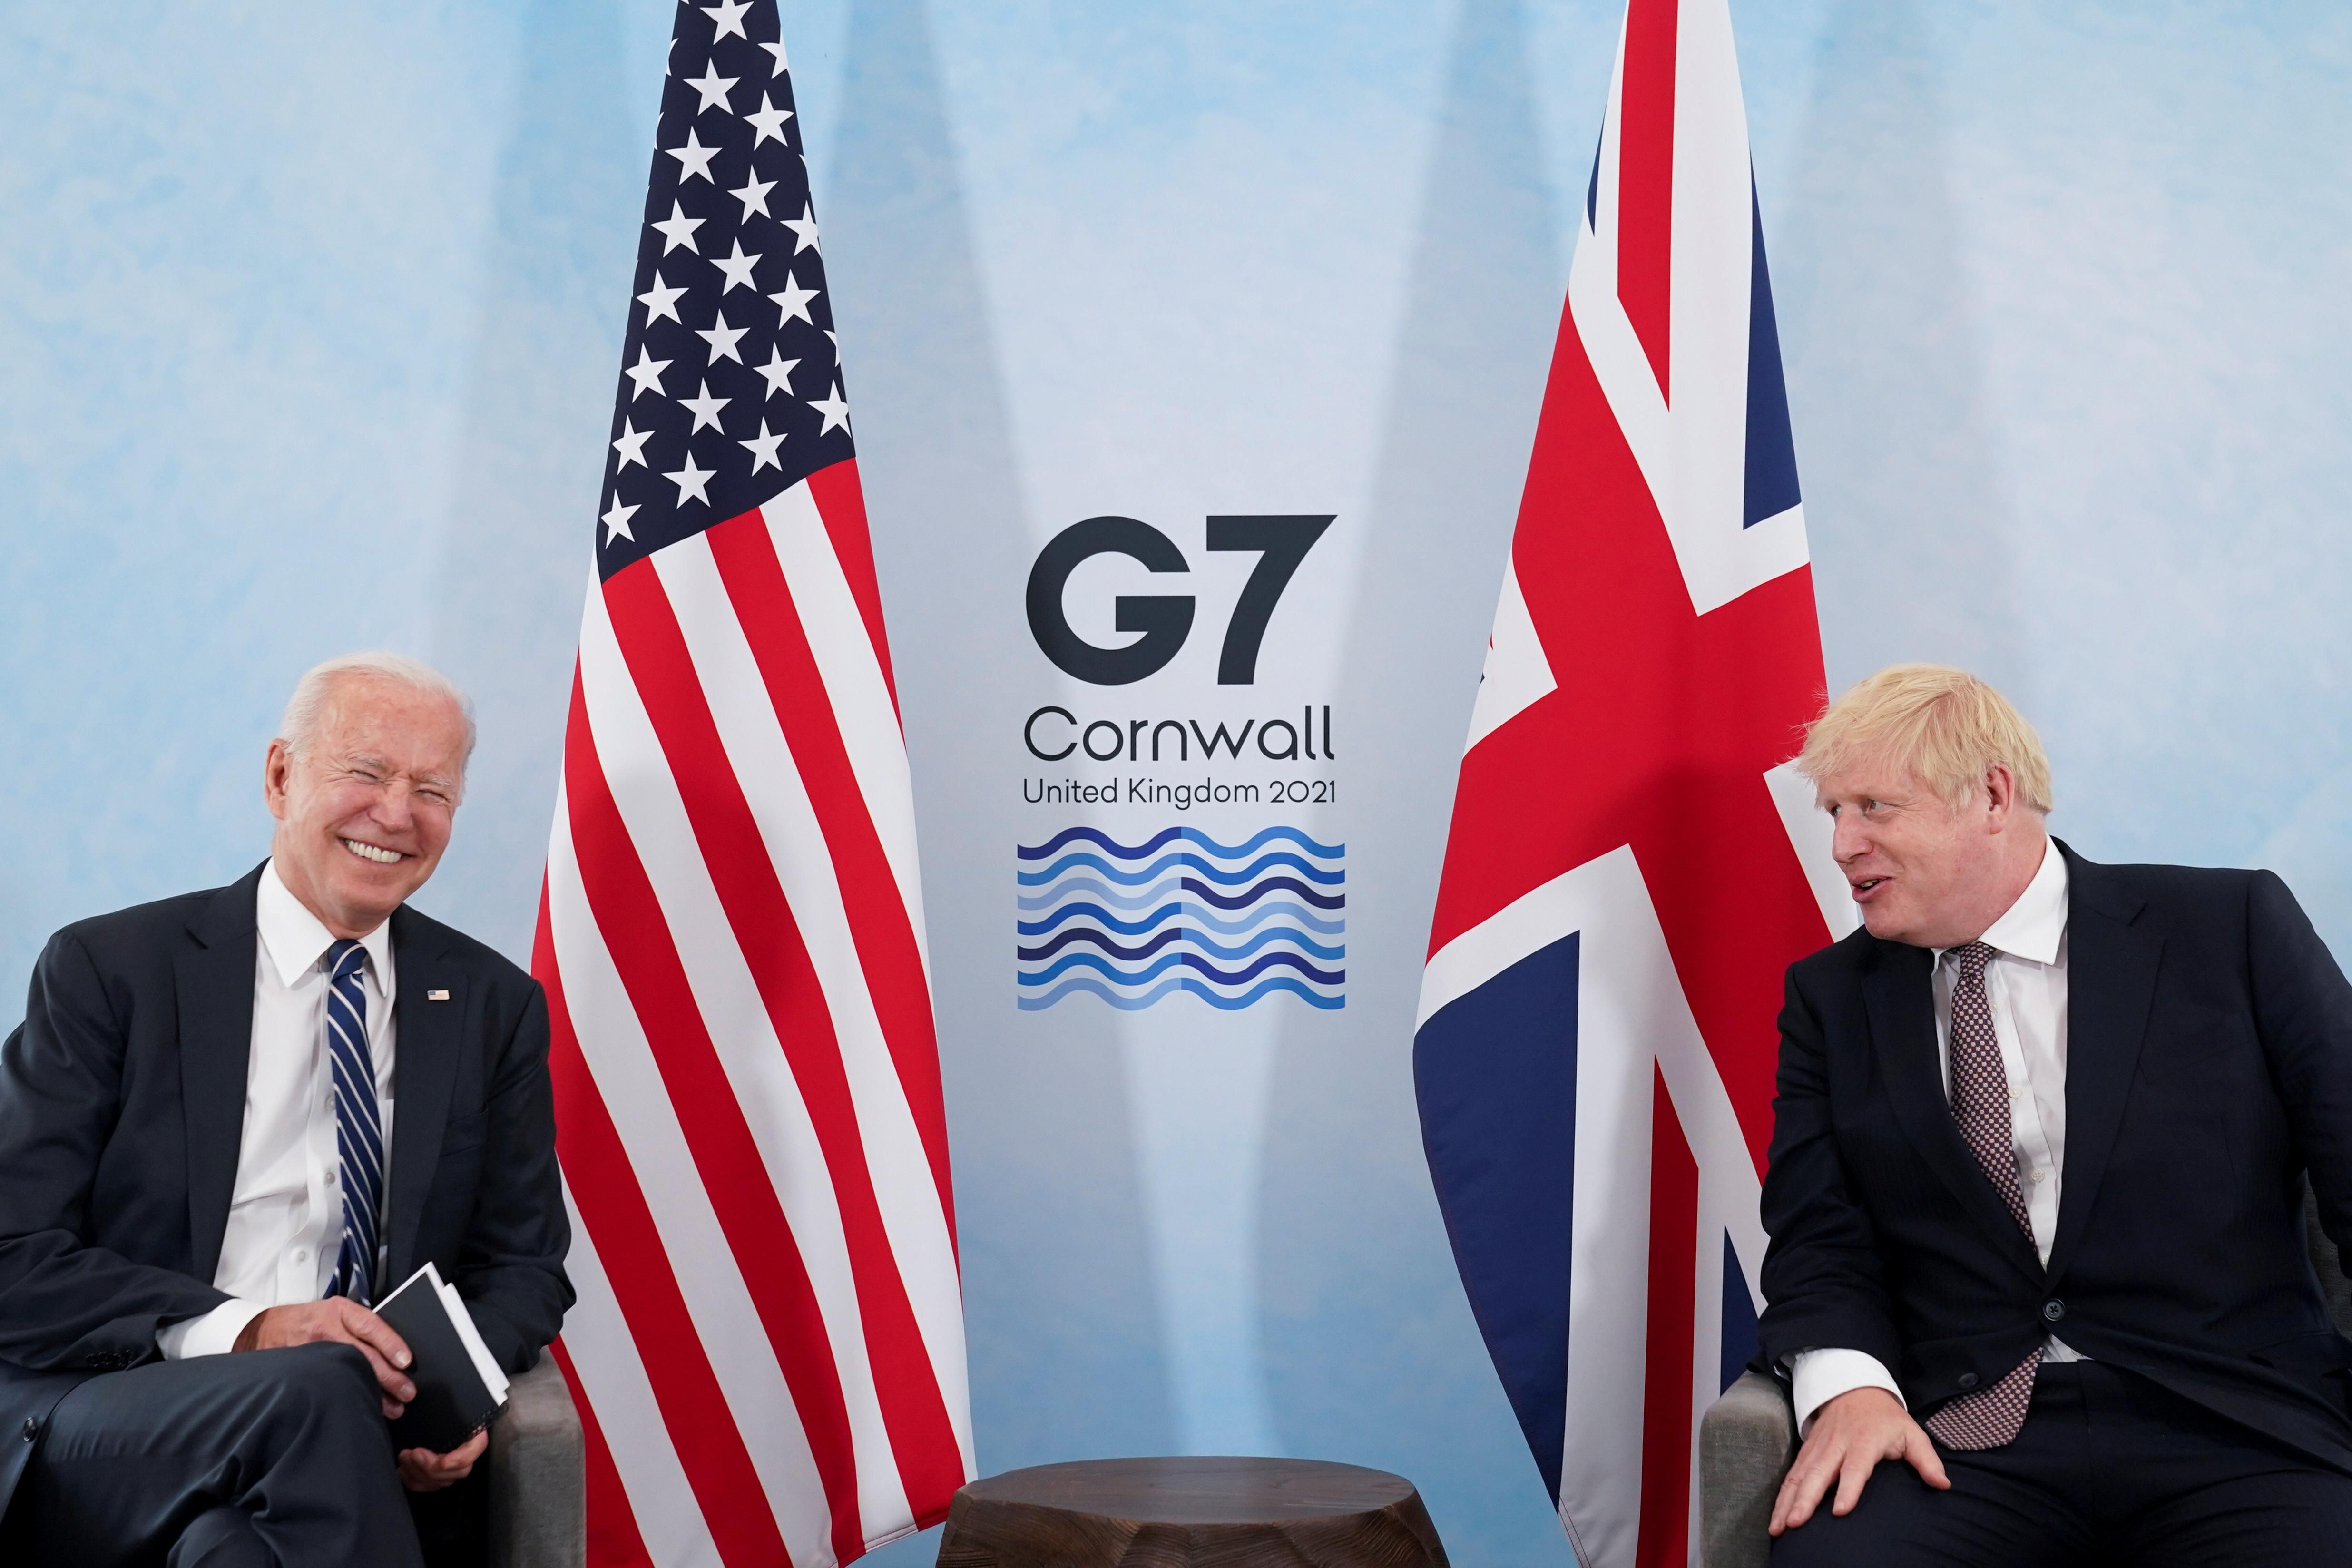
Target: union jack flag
[(768, 1348), (1632, 863)]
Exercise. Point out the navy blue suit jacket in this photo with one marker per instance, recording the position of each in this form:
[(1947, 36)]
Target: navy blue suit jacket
[(121, 1105), (2209, 1066)]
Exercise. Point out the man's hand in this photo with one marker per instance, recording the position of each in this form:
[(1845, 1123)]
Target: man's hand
[(423, 1471), (1851, 1435), (345, 1322)]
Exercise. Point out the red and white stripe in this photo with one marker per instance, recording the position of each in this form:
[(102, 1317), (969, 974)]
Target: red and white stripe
[(1655, 659), (769, 1342)]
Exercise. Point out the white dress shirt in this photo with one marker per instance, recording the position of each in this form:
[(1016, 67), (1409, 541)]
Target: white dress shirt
[(2025, 986), (285, 1210)]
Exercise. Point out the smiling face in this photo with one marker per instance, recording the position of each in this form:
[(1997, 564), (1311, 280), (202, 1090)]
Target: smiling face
[(364, 809), (1923, 870)]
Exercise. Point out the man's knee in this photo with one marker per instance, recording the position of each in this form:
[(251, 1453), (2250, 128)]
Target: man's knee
[(1869, 1536), (321, 1382)]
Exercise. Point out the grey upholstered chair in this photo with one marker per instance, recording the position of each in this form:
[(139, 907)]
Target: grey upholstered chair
[(539, 1484), (1749, 1436)]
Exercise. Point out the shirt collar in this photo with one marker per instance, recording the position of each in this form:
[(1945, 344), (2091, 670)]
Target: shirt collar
[(2032, 926), (296, 940)]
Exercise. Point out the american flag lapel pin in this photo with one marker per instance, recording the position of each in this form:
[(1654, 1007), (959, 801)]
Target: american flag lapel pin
[(437, 995)]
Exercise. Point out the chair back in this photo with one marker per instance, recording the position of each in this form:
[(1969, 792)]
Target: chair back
[(2327, 1264)]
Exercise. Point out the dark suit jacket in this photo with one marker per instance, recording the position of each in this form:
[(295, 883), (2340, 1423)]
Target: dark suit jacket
[(121, 1104), (2209, 1066)]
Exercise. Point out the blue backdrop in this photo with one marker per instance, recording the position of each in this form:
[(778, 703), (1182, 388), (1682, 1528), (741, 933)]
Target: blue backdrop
[(310, 317)]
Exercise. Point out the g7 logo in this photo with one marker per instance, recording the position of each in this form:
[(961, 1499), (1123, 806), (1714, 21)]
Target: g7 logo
[(1164, 619)]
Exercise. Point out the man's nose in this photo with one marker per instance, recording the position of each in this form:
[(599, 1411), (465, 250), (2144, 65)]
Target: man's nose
[(394, 807), (1848, 842)]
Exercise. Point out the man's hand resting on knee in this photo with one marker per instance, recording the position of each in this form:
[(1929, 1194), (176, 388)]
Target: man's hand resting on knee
[(346, 1322), (1850, 1435)]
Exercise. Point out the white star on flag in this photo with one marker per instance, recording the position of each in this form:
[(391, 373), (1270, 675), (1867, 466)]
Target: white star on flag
[(770, 122), (678, 230), (660, 300), (728, 16), (738, 269), (706, 410), (733, 591), (794, 301), (836, 410), (804, 229), (631, 445), (778, 371), (646, 373), (690, 478), (693, 159), (713, 87), (722, 339), (764, 448), (616, 520), (753, 194)]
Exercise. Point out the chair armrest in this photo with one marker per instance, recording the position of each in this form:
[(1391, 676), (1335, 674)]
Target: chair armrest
[(539, 1482), (2326, 1262), (1746, 1442)]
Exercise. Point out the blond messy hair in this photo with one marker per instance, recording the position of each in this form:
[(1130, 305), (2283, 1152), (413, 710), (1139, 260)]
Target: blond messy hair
[(1943, 724)]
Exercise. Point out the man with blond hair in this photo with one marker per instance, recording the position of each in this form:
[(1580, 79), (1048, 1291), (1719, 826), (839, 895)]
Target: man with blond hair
[(2038, 1274), (233, 1121)]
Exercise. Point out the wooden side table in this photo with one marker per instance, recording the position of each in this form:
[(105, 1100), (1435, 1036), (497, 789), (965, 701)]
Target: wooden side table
[(1166, 1513)]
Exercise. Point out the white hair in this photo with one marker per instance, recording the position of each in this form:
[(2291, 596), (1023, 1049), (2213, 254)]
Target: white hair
[(299, 726)]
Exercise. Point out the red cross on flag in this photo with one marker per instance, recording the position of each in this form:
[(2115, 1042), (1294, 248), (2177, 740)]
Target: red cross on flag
[(1632, 864)]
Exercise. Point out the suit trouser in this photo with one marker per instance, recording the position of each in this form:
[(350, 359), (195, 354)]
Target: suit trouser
[(270, 1460), (2110, 1469)]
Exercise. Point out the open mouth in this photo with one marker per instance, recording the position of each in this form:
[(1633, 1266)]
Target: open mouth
[(1867, 886), (370, 852)]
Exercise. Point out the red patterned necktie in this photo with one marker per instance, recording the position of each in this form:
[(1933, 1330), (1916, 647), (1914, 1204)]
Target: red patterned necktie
[(1988, 1417)]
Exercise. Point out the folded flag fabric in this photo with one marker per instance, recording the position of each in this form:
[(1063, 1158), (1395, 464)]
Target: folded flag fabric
[(768, 1348), (1632, 864)]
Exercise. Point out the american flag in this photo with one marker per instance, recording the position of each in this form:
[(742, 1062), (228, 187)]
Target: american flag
[(768, 1349), (1632, 864)]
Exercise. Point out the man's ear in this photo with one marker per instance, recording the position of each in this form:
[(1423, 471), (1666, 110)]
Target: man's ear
[(277, 764), (2000, 794)]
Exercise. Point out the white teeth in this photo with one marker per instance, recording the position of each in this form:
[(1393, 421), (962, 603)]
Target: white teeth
[(370, 852)]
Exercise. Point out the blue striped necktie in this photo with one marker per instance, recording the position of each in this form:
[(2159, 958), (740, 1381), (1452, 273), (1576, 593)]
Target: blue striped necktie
[(358, 1129)]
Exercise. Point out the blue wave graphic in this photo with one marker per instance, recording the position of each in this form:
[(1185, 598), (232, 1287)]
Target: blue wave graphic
[(1128, 1004), (1103, 891), (1181, 913), (1188, 834), (1198, 914), (1175, 934), (1112, 895), (1184, 860), (1271, 885), (1167, 962)]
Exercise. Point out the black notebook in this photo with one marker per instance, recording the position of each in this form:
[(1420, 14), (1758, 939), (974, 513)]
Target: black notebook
[(458, 1387)]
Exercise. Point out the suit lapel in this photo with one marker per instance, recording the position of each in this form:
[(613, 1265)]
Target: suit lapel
[(1901, 1005), (2110, 968), (424, 1077), (212, 985)]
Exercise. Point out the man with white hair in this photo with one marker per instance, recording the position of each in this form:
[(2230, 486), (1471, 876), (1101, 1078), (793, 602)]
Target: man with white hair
[(2038, 1273), (233, 1120)]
